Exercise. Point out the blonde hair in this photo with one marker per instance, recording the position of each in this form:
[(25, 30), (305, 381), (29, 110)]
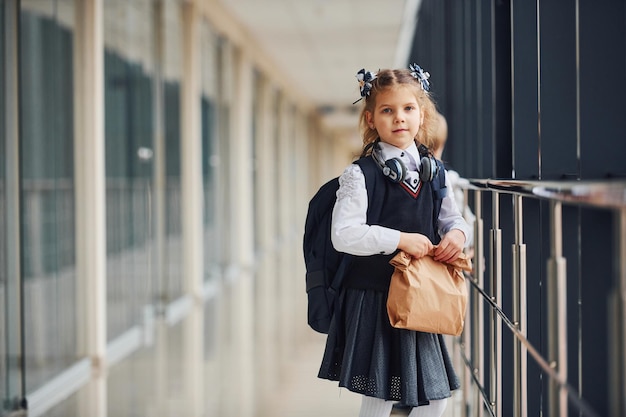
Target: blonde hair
[(389, 79), (440, 135)]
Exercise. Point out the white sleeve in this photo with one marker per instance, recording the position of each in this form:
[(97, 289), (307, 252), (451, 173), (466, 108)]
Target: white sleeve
[(450, 217), (350, 232)]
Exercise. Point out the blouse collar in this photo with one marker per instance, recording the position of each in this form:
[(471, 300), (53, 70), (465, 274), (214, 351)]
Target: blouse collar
[(410, 155)]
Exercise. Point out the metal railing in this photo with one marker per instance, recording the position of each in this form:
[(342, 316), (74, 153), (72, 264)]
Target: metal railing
[(481, 345)]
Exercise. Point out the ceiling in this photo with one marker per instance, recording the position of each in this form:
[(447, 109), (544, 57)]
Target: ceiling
[(321, 44)]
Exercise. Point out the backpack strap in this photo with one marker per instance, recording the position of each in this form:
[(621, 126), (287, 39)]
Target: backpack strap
[(440, 191), (371, 173)]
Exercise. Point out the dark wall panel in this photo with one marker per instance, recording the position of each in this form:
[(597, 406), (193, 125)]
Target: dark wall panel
[(603, 88), (524, 91), (558, 135)]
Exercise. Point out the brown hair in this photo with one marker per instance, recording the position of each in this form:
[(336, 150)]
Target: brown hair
[(388, 79)]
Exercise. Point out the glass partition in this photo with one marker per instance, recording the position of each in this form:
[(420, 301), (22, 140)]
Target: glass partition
[(47, 168), (172, 71), (210, 151), (129, 130), (225, 83), (3, 217)]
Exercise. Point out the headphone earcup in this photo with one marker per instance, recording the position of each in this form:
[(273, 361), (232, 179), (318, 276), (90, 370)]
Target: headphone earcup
[(429, 169), (394, 169)]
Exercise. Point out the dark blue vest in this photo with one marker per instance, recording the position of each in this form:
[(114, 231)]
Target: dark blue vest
[(403, 209)]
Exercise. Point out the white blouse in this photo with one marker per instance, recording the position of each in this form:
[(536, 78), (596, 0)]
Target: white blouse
[(350, 232)]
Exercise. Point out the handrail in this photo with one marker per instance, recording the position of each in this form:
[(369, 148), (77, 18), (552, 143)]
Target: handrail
[(601, 194), (596, 194)]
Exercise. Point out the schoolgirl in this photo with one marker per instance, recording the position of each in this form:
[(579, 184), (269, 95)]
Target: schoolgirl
[(363, 352)]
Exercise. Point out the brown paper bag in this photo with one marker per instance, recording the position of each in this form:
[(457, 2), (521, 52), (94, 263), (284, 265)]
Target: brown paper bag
[(428, 295)]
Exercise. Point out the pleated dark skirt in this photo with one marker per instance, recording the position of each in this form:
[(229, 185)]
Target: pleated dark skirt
[(370, 357)]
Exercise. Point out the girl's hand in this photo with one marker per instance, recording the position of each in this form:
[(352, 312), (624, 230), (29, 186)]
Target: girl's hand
[(450, 246), (415, 244)]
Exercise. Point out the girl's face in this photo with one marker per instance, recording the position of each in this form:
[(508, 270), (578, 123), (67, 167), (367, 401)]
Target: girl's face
[(396, 117)]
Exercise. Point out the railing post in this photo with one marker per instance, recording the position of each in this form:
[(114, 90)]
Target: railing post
[(519, 312), (466, 352), (618, 342), (478, 323), (469, 324), (495, 334), (557, 312)]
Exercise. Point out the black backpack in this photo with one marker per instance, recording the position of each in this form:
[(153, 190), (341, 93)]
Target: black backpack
[(325, 267)]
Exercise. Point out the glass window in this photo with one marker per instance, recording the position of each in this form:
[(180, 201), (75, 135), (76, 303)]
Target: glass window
[(210, 150), (47, 165), (3, 218), (172, 71), (129, 133), (225, 68)]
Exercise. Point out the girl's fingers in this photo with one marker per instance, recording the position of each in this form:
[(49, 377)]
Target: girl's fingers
[(447, 254)]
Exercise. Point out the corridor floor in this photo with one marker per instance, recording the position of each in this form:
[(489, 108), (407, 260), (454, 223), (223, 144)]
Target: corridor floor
[(149, 383), (304, 395)]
